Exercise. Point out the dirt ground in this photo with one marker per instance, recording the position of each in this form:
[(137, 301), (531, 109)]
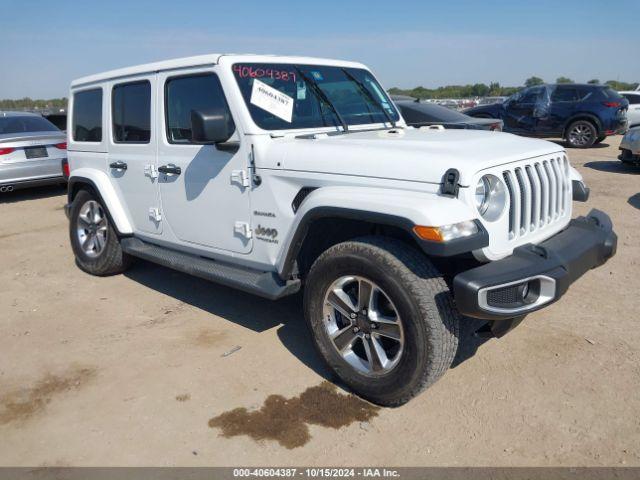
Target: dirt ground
[(157, 368)]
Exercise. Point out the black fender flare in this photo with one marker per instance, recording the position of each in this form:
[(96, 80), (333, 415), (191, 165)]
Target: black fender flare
[(582, 116), (453, 247)]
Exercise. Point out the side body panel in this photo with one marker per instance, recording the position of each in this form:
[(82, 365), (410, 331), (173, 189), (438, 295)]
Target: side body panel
[(207, 205), (136, 186)]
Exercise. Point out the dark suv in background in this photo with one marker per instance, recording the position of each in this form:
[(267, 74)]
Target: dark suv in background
[(581, 114)]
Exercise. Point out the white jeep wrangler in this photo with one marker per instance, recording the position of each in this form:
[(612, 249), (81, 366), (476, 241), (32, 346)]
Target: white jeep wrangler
[(273, 174)]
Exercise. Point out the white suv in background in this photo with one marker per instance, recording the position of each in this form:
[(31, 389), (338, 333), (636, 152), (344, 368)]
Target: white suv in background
[(633, 114), (275, 174)]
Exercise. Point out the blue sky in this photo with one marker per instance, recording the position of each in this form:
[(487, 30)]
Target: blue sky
[(46, 44)]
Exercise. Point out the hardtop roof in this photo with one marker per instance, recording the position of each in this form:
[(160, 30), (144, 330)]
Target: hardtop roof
[(199, 61)]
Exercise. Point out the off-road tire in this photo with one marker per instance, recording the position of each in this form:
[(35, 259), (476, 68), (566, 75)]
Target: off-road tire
[(422, 298), (112, 260), (588, 127)]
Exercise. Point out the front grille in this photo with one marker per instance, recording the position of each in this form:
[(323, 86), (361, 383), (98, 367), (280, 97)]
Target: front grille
[(539, 194)]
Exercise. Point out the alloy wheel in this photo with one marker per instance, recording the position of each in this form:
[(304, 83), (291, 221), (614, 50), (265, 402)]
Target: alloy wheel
[(580, 135), (363, 325), (91, 228)]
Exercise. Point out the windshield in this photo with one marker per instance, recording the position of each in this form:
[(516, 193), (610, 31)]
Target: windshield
[(284, 96), (26, 123)]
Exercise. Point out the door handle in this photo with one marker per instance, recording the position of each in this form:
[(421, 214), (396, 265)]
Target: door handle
[(170, 169), (118, 165)]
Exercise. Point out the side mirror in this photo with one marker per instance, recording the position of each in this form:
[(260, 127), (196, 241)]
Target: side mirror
[(212, 126)]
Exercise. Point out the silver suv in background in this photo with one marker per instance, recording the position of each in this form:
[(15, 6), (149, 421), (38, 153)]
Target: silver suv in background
[(32, 150)]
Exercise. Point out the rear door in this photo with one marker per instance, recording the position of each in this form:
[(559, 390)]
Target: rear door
[(131, 162), (564, 99), (207, 203)]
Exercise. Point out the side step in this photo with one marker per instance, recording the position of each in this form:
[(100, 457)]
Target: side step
[(265, 284)]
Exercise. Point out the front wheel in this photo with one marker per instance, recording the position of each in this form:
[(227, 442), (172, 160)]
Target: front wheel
[(600, 139), (93, 239), (382, 318), (581, 134)]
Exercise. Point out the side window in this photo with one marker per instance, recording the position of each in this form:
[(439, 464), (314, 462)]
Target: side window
[(531, 95), (564, 94), (201, 92), (633, 99), (87, 116), (131, 112)]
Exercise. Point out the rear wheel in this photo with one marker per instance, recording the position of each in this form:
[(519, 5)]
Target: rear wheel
[(93, 239), (581, 134), (382, 318), (600, 139)]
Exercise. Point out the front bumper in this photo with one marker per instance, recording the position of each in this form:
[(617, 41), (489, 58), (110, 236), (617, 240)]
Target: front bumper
[(535, 276)]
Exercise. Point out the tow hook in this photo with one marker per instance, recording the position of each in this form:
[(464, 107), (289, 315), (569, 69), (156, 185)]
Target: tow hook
[(498, 328)]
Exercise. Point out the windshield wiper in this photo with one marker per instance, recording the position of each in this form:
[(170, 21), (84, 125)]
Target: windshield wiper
[(318, 91), (370, 96)]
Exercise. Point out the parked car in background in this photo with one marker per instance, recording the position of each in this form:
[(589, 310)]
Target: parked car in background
[(418, 114), (581, 114), (633, 115), (58, 119), (452, 104), (467, 103), (630, 147), (31, 151), (490, 100)]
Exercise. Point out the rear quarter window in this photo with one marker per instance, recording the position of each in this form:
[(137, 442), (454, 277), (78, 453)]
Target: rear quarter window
[(610, 94), (633, 99), (87, 116)]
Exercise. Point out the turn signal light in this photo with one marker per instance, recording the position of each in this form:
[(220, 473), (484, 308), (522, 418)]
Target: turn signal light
[(446, 232), (433, 234)]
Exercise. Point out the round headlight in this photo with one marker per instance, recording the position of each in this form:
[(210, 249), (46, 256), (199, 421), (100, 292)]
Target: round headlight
[(490, 197), (482, 195)]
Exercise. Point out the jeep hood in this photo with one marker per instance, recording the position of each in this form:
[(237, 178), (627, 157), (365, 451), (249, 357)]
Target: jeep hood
[(411, 154)]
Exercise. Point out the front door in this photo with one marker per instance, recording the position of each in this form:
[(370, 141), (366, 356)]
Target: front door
[(133, 139), (519, 112), (205, 192)]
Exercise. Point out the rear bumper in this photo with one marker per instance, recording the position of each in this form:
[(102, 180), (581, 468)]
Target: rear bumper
[(535, 276), (32, 182), (617, 127), (31, 172)]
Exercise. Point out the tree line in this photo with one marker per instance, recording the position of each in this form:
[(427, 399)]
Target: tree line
[(33, 104), (494, 89)]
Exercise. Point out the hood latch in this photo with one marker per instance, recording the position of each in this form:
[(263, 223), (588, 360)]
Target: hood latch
[(450, 182)]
